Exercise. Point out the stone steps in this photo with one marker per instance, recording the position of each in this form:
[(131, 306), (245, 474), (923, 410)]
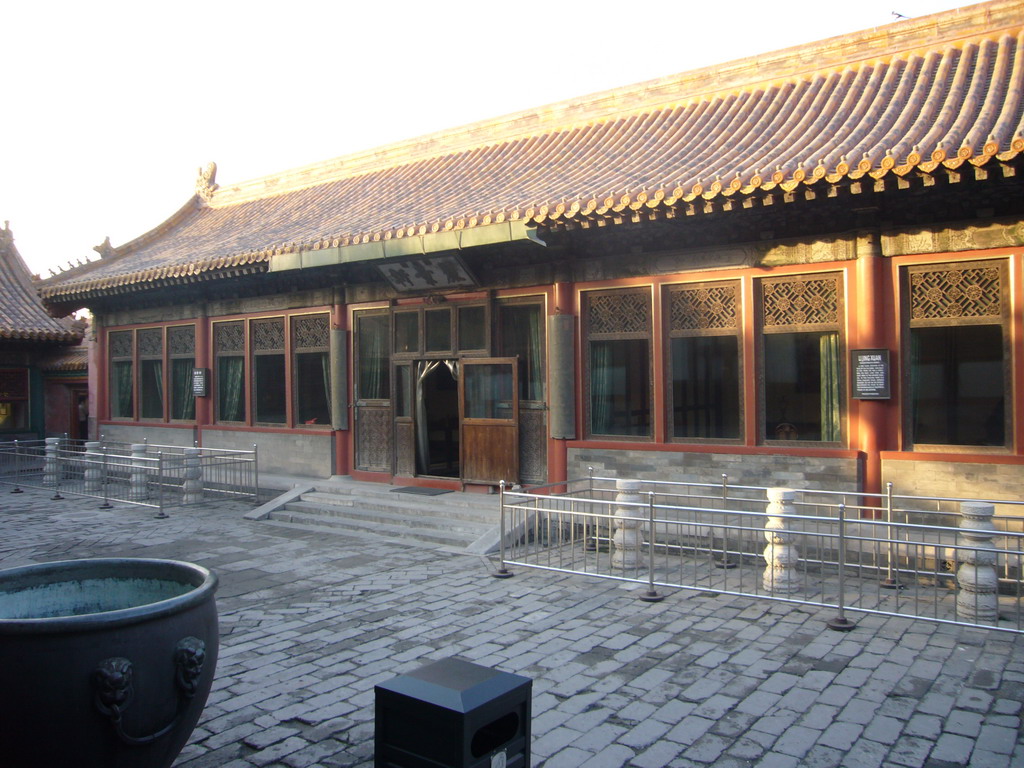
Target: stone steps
[(453, 519)]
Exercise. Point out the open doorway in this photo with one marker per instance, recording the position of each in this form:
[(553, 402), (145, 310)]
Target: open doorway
[(437, 418)]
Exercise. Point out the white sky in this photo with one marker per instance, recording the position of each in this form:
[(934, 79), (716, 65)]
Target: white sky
[(110, 107)]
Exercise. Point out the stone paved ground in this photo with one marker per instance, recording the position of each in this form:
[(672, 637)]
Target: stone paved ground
[(310, 622)]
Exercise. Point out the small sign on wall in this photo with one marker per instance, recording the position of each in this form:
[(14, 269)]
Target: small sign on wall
[(870, 374), (200, 377)]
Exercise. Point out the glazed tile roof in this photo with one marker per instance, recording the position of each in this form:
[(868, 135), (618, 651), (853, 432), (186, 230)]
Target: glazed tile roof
[(919, 96), (22, 314)]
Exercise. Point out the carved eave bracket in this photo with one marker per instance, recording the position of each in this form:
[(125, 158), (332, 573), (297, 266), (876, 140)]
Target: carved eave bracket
[(206, 183)]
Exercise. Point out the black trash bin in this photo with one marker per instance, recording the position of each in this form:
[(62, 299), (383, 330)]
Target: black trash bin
[(453, 714)]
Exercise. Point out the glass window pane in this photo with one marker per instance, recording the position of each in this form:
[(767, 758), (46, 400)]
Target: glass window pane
[(706, 387), (438, 324), (620, 387), (407, 332), (374, 360), (13, 415), (489, 391), (801, 386), (183, 400), (956, 381), (522, 336), (121, 402), (231, 388), (312, 388), (472, 328), (151, 389), (269, 389)]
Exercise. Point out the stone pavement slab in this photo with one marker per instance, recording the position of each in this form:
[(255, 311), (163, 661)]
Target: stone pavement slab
[(311, 622)]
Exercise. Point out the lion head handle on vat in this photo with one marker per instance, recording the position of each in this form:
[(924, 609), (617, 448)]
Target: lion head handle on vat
[(113, 678)]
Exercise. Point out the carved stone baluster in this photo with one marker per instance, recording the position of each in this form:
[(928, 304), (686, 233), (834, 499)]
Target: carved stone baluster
[(977, 599), (628, 532), (781, 555)]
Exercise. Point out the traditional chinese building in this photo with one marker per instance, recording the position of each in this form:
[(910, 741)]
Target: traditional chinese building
[(801, 268), (42, 367)]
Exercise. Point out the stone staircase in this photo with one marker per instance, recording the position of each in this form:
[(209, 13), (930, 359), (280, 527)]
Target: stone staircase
[(464, 521)]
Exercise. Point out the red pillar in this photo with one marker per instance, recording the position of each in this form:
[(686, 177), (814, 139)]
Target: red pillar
[(563, 303), (204, 359), (342, 437), (872, 415)]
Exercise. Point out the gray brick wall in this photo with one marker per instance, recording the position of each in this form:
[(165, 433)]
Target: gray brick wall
[(153, 434), (792, 471), (921, 477), (279, 452)]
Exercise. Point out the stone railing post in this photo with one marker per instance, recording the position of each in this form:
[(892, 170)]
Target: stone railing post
[(51, 461), (93, 467), (781, 555), (628, 532), (137, 490), (977, 599), (193, 485)]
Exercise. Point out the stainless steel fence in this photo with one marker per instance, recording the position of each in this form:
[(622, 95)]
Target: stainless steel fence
[(158, 476), (940, 559)]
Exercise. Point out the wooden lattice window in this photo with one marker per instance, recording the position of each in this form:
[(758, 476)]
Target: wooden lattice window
[(618, 361), (150, 342), (801, 361), (121, 396), (311, 369), (269, 390), (703, 361), (181, 354), (956, 354), (229, 352)]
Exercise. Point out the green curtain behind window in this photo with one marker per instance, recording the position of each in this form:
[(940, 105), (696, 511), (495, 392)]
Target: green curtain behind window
[(121, 388), (830, 422), (231, 389), (184, 399)]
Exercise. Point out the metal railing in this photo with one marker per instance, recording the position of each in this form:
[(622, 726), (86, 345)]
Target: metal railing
[(158, 476), (916, 557)]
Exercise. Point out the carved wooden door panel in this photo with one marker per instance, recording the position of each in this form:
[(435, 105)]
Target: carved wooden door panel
[(489, 406)]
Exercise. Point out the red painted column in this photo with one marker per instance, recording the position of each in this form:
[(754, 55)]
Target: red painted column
[(872, 415), (342, 437), (563, 304), (204, 359)]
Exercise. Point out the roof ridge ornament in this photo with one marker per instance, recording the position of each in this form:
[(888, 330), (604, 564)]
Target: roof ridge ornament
[(6, 235), (105, 249), (206, 183)]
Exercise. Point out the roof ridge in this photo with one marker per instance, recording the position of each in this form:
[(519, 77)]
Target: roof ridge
[(954, 28)]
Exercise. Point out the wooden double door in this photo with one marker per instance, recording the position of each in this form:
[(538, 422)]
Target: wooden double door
[(457, 418)]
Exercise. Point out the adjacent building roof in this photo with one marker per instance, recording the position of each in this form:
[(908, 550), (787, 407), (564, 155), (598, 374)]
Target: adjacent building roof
[(917, 96), (22, 314)]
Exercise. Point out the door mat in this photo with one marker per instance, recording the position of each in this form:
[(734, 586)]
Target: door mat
[(420, 491)]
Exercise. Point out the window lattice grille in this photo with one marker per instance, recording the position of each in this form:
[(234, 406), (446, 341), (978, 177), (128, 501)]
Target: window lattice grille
[(268, 335), (151, 342), (181, 340), (121, 344), (619, 313), (229, 337), (801, 301), (311, 332), (703, 308), (953, 293), (14, 384)]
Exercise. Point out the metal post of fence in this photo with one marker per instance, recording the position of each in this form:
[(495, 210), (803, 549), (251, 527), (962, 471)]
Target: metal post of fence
[(160, 514), (17, 467), (104, 477), (502, 572), (723, 561), (651, 595), (59, 472), (255, 474), (890, 581), (590, 523), (840, 623)]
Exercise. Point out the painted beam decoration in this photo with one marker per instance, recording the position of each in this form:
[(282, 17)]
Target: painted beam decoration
[(430, 274)]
